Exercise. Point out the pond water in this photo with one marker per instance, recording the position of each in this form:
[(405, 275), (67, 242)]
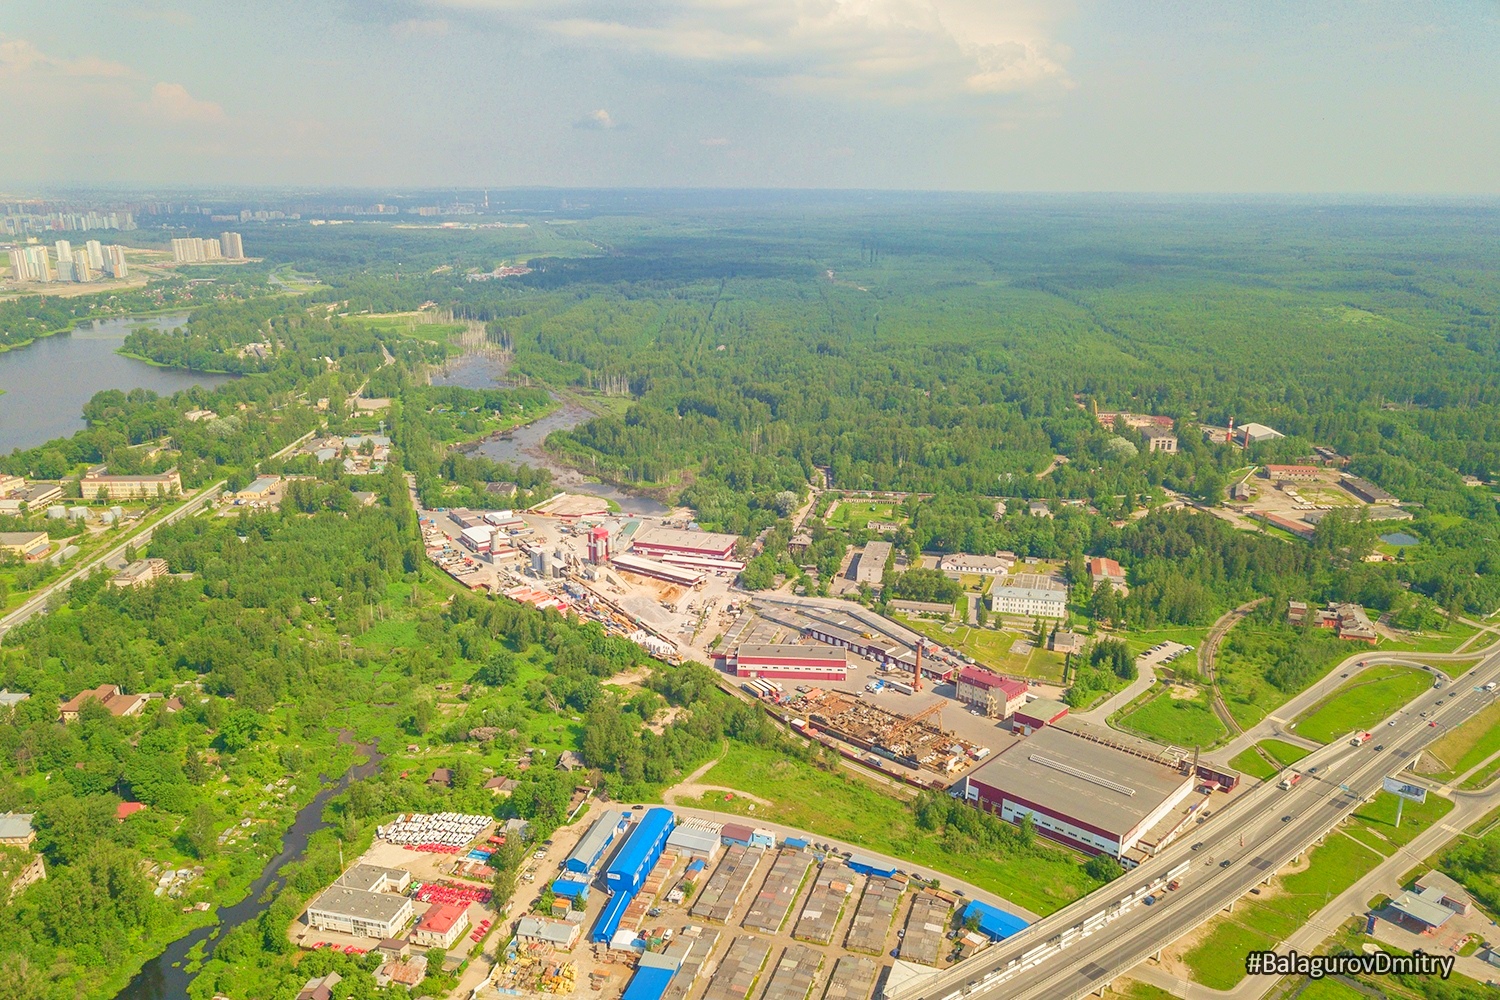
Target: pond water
[(46, 383)]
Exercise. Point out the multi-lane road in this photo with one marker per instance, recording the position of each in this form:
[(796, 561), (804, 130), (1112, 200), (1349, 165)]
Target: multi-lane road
[(1246, 843)]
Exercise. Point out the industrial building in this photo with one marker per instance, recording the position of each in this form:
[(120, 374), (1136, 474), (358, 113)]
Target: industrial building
[(1367, 491), (695, 842), (598, 545), (1030, 595), (358, 912), (996, 696), (630, 866), (128, 487), (1086, 794), (1159, 439), (994, 923), (815, 663), (666, 542), (680, 575), (592, 846)]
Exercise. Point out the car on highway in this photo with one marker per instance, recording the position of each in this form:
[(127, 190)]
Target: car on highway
[(1197, 845), (1225, 863), (1287, 818), (1432, 724), (1391, 723), (1379, 747)]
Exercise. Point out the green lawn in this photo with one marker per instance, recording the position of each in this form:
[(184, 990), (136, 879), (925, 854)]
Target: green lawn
[(1138, 991), (1218, 961), (990, 648), (1253, 764), (1483, 777), (1286, 753), (1183, 722), (1468, 744), (840, 805), (1362, 702), (1330, 989), (859, 513), (1374, 823), (1445, 641)]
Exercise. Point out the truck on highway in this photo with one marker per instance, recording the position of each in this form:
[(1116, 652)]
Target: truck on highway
[(1360, 740), (1291, 779), (1490, 686)]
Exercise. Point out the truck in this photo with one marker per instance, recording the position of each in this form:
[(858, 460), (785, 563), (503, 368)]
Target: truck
[(1360, 740), (1490, 686), (1291, 779)]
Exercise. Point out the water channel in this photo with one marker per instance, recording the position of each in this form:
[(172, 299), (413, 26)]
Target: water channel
[(165, 976), (524, 444), (47, 382)]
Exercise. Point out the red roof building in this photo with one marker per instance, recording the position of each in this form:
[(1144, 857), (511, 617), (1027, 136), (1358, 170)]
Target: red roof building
[(125, 809), (107, 695), (789, 660), (441, 926), (1292, 473), (995, 695), (1105, 570), (1038, 714)]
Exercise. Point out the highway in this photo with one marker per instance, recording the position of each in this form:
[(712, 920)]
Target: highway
[(1060, 957)]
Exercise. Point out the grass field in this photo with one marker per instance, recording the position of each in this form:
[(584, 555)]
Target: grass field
[(1469, 744), (1374, 823), (1218, 960), (1183, 722), (1255, 765), (851, 514), (836, 804), (1362, 702), (1330, 989), (1482, 777), (990, 648), (1137, 991)]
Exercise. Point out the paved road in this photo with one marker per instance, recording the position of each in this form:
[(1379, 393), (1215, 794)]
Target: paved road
[(38, 602), (1256, 834), (1139, 686)]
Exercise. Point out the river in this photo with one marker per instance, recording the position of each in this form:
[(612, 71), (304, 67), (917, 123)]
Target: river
[(164, 976), (47, 382), (523, 445)]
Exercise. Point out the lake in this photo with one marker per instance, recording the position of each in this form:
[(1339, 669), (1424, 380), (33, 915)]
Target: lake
[(523, 445), (47, 382)]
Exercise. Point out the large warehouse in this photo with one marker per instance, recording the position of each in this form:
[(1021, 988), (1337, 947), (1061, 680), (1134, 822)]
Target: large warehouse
[(630, 866), (676, 542), (1081, 793), (817, 663)]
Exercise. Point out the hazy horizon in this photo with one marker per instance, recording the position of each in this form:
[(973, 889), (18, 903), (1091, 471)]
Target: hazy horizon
[(960, 96)]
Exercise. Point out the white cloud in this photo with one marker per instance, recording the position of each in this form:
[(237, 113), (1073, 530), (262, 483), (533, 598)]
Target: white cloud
[(595, 120), (172, 102), (19, 57), (420, 27), (884, 49)]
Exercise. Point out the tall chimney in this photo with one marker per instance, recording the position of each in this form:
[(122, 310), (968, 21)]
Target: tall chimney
[(916, 680)]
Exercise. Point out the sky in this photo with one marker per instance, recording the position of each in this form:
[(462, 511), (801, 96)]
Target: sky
[(1343, 96)]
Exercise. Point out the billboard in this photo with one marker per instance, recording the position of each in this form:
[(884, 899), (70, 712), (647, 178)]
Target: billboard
[(1415, 793)]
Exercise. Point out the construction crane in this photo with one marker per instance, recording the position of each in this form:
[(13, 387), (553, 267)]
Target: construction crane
[(906, 725)]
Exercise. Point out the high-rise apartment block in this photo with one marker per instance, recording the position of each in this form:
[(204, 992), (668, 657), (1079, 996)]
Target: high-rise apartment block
[(64, 252), (232, 246), (115, 265), (31, 263), (96, 254)]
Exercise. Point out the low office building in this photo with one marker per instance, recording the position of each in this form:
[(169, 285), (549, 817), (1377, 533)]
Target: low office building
[(1292, 473), (1160, 439), (995, 696), (659, 542), (1078, 792), (871, 566), (1030, 595), (140, 573), (359, 912), (960, 563), (1367, 491), (39, 495), (560, 934), (131, 487), (26, 544), (440, 926), (1065, 642)]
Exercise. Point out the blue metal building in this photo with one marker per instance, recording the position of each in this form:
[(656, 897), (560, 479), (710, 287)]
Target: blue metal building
[(869, 866), (994, 922), (631, 866)]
